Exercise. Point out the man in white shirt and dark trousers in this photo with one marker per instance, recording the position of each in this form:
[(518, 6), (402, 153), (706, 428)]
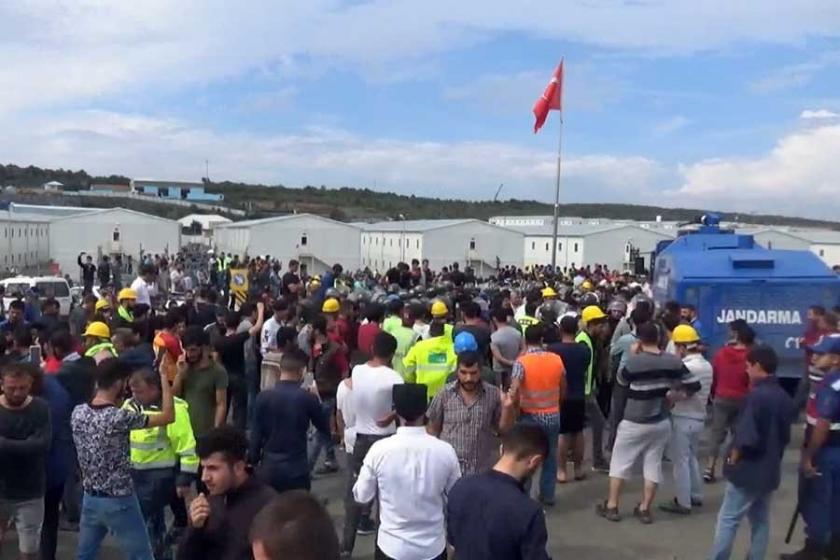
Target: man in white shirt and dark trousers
[(412, 472), (372, 400)]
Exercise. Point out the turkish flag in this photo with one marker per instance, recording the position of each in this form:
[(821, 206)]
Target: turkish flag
[(552, 98)]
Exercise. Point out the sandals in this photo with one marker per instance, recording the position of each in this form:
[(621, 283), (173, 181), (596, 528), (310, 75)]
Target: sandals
[(608, 513), (643, 515)]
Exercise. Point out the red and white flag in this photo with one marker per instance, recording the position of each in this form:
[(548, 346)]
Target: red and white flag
[(552, 98)]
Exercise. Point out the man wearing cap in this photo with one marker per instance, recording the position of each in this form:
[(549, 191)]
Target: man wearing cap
[(538, 380), (98, 342), (687, 420), (819, 485), (125, 313), (595, 326), (439, 314), (431, 361), (412, 473)]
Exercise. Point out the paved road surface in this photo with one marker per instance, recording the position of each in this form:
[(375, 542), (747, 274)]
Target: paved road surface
[(576, 532)]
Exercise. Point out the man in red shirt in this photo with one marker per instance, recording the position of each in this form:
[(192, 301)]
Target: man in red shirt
[(374, 314), (167, 344), (730, 385), (329, 366)]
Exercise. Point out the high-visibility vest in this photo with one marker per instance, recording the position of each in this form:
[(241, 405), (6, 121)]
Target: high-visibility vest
[(125, 314), (97, 348), (584, 338), (430, 362), (539, 391), (526, 321), (164, 447)]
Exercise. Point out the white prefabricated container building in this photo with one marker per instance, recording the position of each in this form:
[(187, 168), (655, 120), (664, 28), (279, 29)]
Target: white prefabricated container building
[(468, 242), (315, 241), (111, 231), (25, 242)]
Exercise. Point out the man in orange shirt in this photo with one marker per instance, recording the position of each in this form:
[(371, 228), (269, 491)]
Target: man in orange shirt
[(539, 383)]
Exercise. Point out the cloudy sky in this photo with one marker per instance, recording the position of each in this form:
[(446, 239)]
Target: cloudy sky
[(713, 104)]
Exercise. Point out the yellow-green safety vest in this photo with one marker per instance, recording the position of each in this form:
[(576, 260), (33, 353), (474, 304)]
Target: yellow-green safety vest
[(97, 348), (164, 447), (125, 314), (583, 337), (430, 362), (526, 321)]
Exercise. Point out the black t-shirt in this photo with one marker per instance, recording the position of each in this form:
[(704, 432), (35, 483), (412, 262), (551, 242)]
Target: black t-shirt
[(575, 358), (457, 277), (201, 315), (482, 337), (393, 276), (288, 279), (231, 351), (26, 435)]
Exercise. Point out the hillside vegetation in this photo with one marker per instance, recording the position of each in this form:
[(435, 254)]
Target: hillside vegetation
[(352, 204)]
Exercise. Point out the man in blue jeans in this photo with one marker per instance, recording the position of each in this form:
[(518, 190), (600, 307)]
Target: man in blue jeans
[(754, 462), (101, 434)]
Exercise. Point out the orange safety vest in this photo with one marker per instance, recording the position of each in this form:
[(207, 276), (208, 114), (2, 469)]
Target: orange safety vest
[(540, 388)]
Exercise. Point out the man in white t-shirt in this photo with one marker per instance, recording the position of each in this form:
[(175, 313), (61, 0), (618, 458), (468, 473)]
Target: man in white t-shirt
[(372, 401), (144, 284), (268, 337)]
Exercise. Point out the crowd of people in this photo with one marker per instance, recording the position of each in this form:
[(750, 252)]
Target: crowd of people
[(193, 427)]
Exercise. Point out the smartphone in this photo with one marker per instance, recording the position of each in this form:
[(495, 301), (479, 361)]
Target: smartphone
[(35, 355)]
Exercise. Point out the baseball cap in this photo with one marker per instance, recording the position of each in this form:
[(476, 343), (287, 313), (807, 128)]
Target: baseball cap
[(827, 345)]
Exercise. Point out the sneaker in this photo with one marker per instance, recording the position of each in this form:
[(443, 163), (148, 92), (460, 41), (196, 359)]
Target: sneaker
[(696, 502), (327, 468), (366, 526), (674, 507), (601, 467)]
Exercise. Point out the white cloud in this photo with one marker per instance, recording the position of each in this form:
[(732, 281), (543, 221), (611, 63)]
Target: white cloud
[(60, 53), (136, 145), (818, 114), (799, 176), (795, 75), (671, 125)]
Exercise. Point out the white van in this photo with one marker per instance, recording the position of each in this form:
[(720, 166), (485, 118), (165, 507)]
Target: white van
[(47, 286)]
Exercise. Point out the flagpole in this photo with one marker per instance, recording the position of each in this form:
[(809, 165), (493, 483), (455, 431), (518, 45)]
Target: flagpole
[(557, 199)]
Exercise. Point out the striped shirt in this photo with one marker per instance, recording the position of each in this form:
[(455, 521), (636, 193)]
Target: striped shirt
[(649, 377)]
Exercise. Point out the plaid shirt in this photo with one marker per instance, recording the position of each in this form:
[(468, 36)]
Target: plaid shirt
[(469, 428)]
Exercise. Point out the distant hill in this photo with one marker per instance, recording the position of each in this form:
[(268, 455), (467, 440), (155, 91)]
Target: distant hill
[(352, 204)]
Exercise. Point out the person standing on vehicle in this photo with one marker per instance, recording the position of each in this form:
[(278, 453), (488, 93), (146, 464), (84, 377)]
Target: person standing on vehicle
[(88, 272)]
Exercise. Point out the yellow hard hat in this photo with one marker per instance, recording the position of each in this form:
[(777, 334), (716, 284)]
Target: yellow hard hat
[(439, 309), (592, 313), (587, 285), (127, 293), (685, 334), (102, 304), (331, 305), (548, 292), (98, 329)]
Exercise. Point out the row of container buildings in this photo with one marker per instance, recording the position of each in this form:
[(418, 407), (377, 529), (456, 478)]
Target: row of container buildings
[(51, 236)]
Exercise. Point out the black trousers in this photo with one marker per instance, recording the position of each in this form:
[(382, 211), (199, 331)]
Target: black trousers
[(382, 556), (49, 530), (353, 511)]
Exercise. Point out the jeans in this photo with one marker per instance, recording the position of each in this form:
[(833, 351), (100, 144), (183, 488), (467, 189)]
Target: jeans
[(548, 472), (49, 530), (821, 498), (154, 488), (283, 473), (685, 439), (252, 380), (736, 504), (324, 441), (237, 400), (353, 511), (119, 516), (595, 417)]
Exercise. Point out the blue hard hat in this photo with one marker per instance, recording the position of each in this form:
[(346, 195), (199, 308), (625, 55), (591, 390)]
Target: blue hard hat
[(465, 342)]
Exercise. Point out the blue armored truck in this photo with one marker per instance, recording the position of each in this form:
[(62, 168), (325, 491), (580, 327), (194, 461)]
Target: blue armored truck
[(728, 276)]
